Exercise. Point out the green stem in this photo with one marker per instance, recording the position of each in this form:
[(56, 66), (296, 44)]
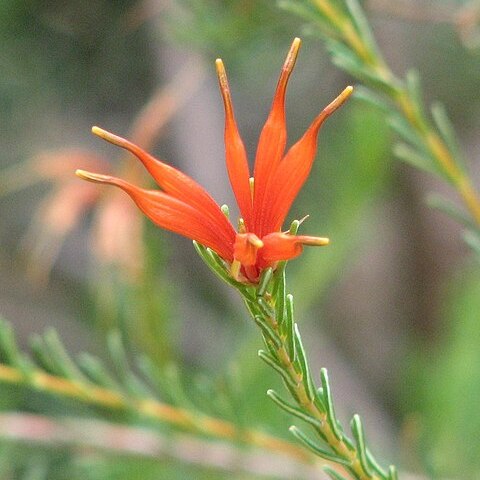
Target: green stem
[(299, 391)]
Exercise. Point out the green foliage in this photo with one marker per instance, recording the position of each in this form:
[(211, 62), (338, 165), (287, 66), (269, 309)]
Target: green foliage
[(123, 387), (431, 143), (286, 355), (233, 26), (239, 30), (134, 391)]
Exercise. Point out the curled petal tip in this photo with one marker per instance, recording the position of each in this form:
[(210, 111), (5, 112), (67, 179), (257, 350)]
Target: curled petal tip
[(313, 241), (221, 74), (339, 101), (292, 55), (110, 137), (100, 132), (347, 91), (92, 177), (97, 130), (224, 87), (296, 44), (331, 108)]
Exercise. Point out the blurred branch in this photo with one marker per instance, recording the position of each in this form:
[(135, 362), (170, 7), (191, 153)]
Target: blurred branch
[(57, 215), (165, 102), (90, 382), (149, 408), (430, 141), (85, 435), (467, 21), (415, 11), (465, 18)]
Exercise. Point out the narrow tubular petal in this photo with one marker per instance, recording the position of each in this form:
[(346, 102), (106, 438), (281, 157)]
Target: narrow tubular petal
[(282, 246), (295, 168), (273, 138), (173, 214), (171, 180), (235, 153), (279, 246)]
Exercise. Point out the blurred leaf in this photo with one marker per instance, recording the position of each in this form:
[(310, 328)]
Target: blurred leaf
[(447, 206), (448, 383), (447, 130), (413, 157)]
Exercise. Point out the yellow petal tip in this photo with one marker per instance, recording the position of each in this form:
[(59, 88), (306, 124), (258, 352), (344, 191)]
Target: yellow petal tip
[(91, 177), (221, 74), (98, 131), (313, 241), (82, 174), (292, 55)]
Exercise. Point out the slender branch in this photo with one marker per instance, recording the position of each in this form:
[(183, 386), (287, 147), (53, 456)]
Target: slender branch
[(280, 345), (150, 408), (338, 446), (86, 435), (272, 311)]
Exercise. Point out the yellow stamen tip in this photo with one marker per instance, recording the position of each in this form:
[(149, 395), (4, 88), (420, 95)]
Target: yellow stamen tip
[(241, 226), (254, 241)]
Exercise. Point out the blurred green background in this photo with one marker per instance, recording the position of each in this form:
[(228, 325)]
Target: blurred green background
[(391, 307)]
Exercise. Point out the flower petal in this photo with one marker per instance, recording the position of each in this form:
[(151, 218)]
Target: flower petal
[(294, 169), (283, 246), (172, 181), (173, 214), (246, 248), (235, 153), (273, 139)]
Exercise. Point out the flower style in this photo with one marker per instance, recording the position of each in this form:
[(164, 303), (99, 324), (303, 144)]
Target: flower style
[(184, 207)]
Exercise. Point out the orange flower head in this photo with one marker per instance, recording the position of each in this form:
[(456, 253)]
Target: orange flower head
[(264, 199)]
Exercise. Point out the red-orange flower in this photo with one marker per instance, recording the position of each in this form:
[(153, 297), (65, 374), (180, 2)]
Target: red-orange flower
[(184, 207)]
